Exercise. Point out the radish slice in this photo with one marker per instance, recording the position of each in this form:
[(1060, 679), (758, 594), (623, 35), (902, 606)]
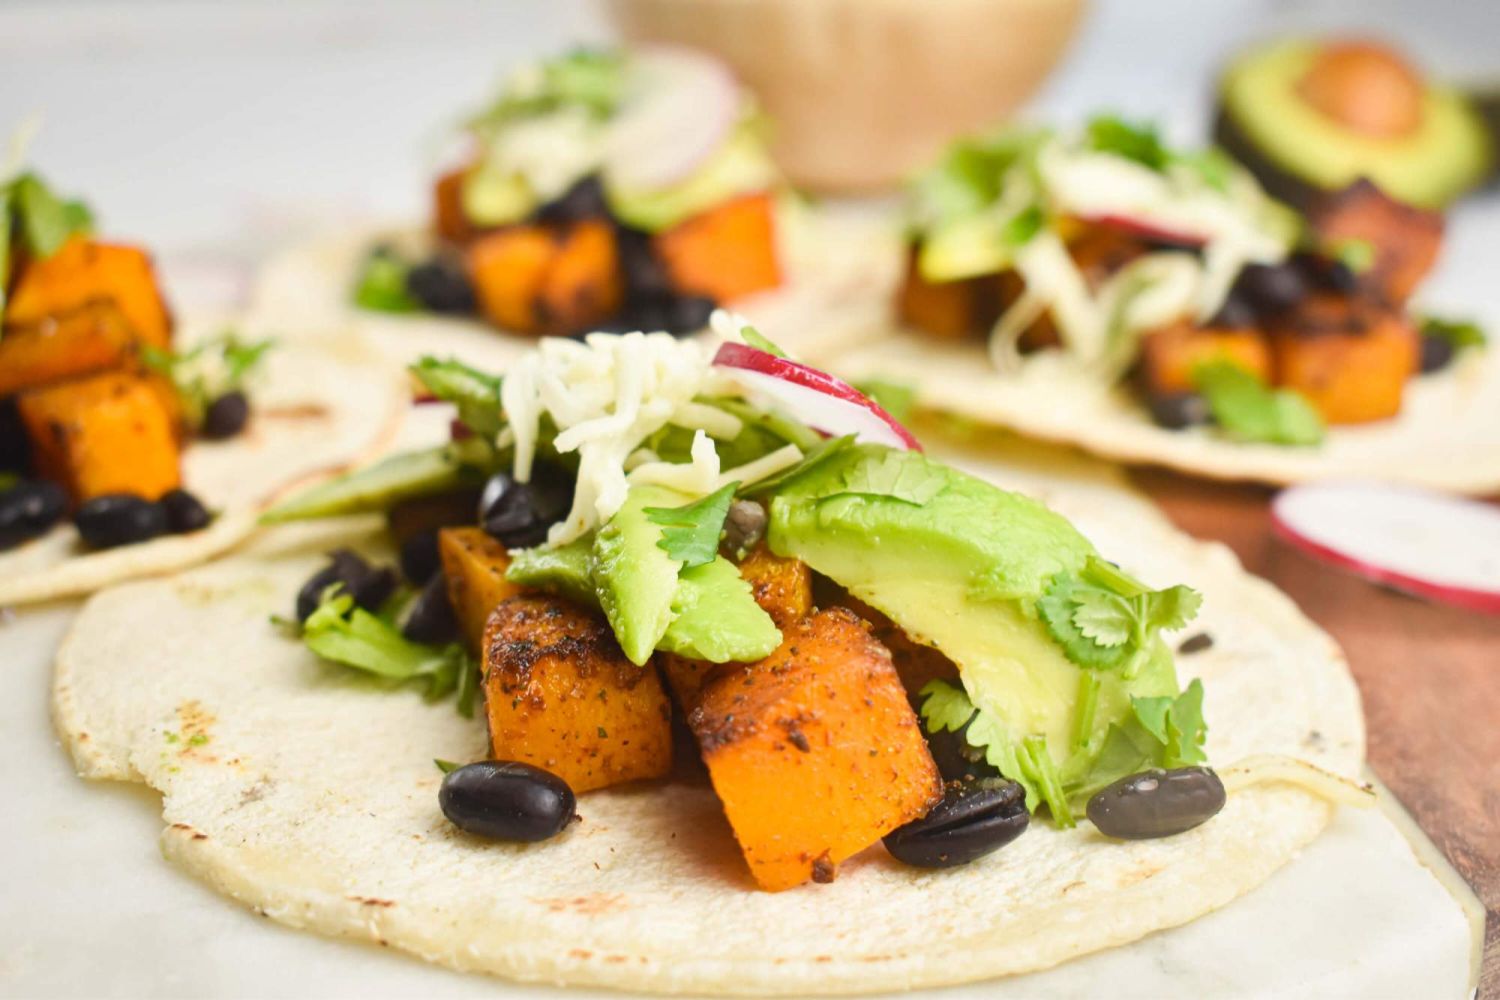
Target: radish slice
[(1147, 230), (1435, 546), (826, 404), (684, 106)]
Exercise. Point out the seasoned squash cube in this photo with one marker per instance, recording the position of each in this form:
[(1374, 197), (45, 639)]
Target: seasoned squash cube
[(449, 220), (474, 565), (83, 271), (545, 279), (1405, 240), (1351, 361), (814, 751), (89, 339), (1170, 354), (560, 694), (949, 310), (724, 253), (782, 587), (105, 433)]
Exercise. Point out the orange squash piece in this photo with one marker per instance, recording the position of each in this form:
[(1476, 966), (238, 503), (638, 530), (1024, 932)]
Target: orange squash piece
[(84, 271), (949, 310), (544, 280), (725, 253), (782, 587), (1350, 359), (1405, 239), (474, 565), (916, 664), (560, 694), (105, 433), (449, 220), (814, 751), (92, 338), (1170, 354)]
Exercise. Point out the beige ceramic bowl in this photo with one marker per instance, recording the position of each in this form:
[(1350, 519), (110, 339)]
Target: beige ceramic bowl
[(864, 91)]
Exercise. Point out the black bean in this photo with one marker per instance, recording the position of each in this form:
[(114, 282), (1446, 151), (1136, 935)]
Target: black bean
[(974, 818), (15, 445), (225, 416), (1269, 288), (430, 618), (441, 285), (506, 800), (956, 759), (28, 510), (369, 586), (1236, 312), (185, 512), (419, 556), (1437, 353), (1157, 803), (689, 313), (1196, 643), (116, 519), (645, 275), (584, 200), (519, 514), (1178, 409), (1322, 272), (744, 525)]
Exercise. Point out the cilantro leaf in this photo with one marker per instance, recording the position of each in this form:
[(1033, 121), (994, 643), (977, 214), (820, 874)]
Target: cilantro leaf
[(446, 766), (381, 284), (971, 174), (46, 221), (896, 398), (945, 705), (1057, 608), (1186, 728), (340, 632), (690, 533), (208, 370), (1105, 618), (896, 476), (475, 393), (760, 341), (1111, 134), (1460, 333), (1250, 411)]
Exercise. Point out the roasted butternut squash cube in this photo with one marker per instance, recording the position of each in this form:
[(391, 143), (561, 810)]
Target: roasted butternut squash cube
[(1405, 239), (560, 694), (814, 751), (88, 339), (547, 280), (782, 587), (916, 664), (949, 310), (1354, 371), (724, 253), (449, 220), (1171, 354), (84, 271), (105, 433), (474, 565)]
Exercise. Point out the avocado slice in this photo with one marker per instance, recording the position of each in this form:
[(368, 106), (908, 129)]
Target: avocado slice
[(959, 565), (566, 570), (739, 166), (716, 617), (1298, 152)]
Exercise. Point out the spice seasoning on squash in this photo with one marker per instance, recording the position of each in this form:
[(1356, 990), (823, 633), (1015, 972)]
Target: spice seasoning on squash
[(724, 253), (84, 271), (474, 565)]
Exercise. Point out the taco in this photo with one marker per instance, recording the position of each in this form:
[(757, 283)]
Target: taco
[(1154, 305), (129, 448), (723, 656), (599, 190)]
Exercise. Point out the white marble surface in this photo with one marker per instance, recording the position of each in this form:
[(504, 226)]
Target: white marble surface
[(216, 131)]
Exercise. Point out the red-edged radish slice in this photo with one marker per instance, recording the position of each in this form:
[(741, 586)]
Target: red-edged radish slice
[(1429, 544), (683, 106), (823, 402), (1147, 230)]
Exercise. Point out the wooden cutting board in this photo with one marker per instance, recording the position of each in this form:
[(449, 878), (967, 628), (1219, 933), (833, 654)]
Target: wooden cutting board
[(1429, 675)]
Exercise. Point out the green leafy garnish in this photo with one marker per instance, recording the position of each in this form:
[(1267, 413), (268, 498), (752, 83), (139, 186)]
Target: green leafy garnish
[(584, 78), (342, 633), (381, 285), (475, 393), (207, 370), (760, 341), (1458, 332), (1357, 255), (446, 766), (1249, 410), (1110, 134), (1215, 166), (896, 398), (46, 221), (969, 177), (1020, 228), (1159, 733), (690, 533), (892, 476), (1105, 619)]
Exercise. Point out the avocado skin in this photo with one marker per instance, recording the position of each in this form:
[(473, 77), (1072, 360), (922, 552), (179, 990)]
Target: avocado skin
[(1298, 154)]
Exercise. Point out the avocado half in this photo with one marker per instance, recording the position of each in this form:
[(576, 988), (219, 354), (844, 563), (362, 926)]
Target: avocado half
[(1298, 153)]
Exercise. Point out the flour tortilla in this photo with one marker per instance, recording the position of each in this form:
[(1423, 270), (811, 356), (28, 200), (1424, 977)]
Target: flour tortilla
[(832, 256), (311, 796), (320, 405)]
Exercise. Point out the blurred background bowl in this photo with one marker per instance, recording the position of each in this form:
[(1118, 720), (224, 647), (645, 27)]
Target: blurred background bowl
[(862, 92)]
